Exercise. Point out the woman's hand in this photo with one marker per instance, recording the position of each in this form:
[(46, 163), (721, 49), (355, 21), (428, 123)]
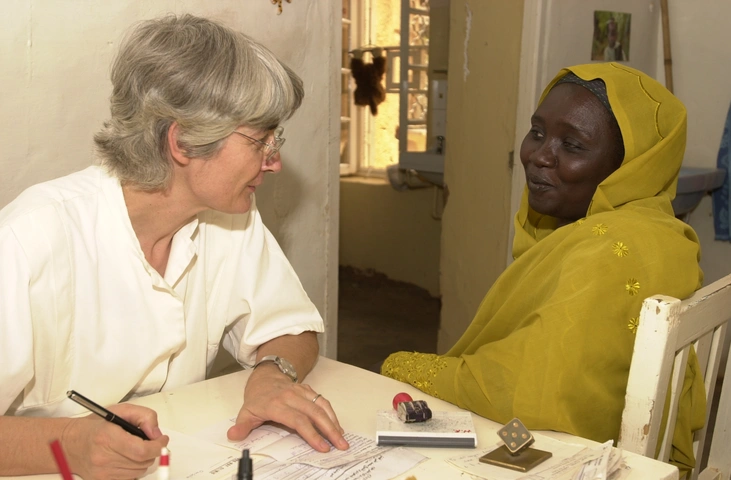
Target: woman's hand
[(100, 450), (272, 396)]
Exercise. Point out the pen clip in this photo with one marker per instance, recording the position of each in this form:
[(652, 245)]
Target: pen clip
[(88, 404)]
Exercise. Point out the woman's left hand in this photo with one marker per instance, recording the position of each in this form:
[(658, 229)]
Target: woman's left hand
[(272, 396)]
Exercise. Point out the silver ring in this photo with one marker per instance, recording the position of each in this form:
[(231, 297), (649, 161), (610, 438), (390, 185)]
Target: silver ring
[(316, 397)]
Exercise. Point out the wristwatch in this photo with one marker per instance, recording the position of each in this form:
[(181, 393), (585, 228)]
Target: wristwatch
[(283, 365)]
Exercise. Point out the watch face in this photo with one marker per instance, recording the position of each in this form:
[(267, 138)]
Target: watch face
[(288, 369)]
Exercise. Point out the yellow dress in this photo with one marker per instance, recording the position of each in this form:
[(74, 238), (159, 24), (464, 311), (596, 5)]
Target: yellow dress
[(552, 340)]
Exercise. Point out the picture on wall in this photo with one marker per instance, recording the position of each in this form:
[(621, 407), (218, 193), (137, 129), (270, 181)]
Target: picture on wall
[(611, 36)]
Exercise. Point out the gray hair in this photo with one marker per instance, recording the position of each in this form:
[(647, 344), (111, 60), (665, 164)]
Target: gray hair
[(203, 75)]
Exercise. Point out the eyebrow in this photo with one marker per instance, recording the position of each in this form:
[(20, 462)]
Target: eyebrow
[(256, 136), (269, 131), (586, 133)]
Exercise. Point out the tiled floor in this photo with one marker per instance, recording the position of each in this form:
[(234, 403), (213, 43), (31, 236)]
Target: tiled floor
[(378, 316)]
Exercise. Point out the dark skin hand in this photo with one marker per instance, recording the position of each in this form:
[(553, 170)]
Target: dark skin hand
[(573, 145)]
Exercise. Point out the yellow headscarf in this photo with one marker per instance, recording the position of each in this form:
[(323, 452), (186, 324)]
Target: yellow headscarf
[(653, 125), (552, 340)]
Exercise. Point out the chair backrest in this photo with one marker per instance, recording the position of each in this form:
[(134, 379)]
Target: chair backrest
[(667, 329)]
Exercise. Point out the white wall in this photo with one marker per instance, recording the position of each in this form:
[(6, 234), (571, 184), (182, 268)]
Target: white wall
[(55, 88), (570, 29), (394, 233), (557, 33), (699, 37), (484, 48)]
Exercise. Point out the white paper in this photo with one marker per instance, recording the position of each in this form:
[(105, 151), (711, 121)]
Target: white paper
[(293, 449), (589, 464), (433, 469), (277, 454), (259, 438), (622, 471), (285, 447), (197, 459), (442, 424), (600, 467), (561, 452), (569, 462), (383, 466)]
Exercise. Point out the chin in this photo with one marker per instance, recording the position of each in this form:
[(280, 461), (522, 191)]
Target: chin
[(538, 203), (243, 204), (237, 209), (243, 209), (542, 209)]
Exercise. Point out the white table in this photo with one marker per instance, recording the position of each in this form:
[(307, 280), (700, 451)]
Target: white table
[(356, 395)]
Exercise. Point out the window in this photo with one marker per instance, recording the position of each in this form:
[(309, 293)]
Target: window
[(414, 104), (349, 118), (370, 143)]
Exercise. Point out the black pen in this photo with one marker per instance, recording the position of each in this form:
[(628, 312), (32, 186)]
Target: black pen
[(106, 414), (246, 471)]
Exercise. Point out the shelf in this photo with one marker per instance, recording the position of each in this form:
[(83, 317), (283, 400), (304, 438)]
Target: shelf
[(693, 185)]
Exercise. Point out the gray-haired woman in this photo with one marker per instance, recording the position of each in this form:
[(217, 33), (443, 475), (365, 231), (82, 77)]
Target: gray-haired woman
[(123, 279)]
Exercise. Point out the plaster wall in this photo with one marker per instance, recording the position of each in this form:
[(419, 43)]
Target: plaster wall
[(391, 232), (484, 53), (701, 72), (556, 34), (56, 58), (560, 33)]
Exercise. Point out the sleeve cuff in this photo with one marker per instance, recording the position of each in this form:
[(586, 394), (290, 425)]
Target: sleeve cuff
[(432, 374)]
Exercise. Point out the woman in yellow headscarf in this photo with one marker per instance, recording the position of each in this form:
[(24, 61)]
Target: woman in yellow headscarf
[(552, 340)]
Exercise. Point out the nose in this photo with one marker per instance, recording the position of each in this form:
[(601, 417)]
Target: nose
[(542, 154), (273, 165)]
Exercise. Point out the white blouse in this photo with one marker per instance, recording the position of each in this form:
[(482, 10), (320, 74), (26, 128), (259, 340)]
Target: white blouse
[(81, 308)]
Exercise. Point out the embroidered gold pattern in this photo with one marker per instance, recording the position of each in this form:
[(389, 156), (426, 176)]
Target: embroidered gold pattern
[(580, 221), (417, 369), (633, 324), (620, 249), (632, 287), (599, 229)]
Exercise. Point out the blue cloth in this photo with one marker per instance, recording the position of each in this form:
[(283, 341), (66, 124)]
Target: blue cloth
[(722, 196)]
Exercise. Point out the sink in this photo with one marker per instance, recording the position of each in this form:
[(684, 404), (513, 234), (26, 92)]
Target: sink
[(693, 184)]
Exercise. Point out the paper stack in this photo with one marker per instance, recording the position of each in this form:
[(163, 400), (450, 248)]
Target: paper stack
[(444, 429)]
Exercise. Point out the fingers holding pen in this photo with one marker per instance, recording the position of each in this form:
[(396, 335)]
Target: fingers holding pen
[(97, 448), (144, 418)]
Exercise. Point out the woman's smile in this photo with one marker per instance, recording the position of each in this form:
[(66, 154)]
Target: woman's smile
[(537, 183)]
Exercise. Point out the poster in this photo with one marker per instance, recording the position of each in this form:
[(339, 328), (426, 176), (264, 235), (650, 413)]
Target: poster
[(611, 36)]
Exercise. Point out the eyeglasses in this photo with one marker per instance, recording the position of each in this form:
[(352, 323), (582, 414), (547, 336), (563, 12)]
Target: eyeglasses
[(269, 149)]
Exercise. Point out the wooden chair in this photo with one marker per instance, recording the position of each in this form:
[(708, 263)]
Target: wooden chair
[(667, 329)]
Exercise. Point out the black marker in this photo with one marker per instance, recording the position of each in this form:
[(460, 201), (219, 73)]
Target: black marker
[(106, 414), (246, 471)]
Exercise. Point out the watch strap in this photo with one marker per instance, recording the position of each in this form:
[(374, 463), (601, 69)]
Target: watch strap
[(284, 366)]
